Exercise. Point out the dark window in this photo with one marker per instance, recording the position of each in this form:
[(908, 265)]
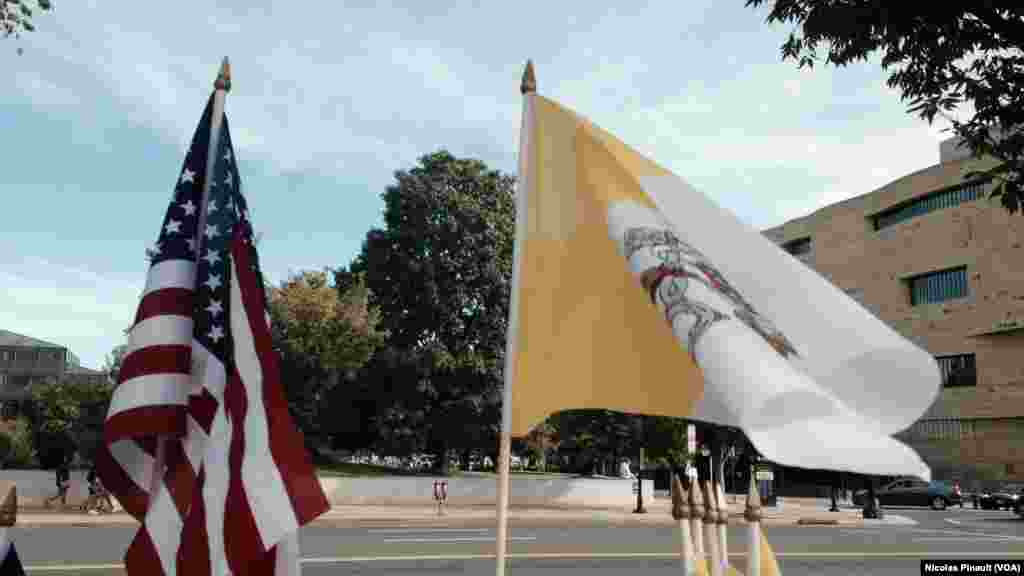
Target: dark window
[(929, 203), (798, 247), (938, 286), (958, 371)]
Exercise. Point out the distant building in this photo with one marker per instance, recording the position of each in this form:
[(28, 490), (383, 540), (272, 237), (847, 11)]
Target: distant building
[(24, 359), (940, 264)]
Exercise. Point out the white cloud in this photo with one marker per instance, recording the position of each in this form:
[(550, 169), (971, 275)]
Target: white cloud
[(77, 308)]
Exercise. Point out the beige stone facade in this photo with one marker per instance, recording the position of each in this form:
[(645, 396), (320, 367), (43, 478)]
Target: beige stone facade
[(974, 431)]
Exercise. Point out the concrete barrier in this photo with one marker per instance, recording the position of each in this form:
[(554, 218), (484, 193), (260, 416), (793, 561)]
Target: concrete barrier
[(34, 486), (606, 493)]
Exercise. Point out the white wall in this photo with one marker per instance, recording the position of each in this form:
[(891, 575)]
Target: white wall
[(477, 491), (35, 485)]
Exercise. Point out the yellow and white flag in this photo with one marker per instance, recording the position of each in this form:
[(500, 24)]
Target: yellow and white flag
[(635, 292)]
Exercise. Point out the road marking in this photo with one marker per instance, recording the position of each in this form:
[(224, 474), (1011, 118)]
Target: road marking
[(425, 530), (956, 539), (42, 568), (455, 540)]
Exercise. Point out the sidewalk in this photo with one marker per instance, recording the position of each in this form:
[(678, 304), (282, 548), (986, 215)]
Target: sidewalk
[(792, 512)]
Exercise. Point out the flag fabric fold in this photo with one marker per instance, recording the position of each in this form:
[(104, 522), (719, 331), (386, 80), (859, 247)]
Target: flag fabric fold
[(638, 293), (198, 442), (10, 564)]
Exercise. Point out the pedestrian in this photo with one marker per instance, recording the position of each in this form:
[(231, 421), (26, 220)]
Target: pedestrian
[(99, 501), (63, 483)]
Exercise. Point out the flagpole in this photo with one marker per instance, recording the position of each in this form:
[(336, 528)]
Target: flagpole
[(221, 87), (527, 88)]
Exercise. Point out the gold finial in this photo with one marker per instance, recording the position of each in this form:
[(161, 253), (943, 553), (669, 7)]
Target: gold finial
[(223, 81), (680, 506), (752, 513), (710, 510), (9, 507), (696, 507), (529, 83)]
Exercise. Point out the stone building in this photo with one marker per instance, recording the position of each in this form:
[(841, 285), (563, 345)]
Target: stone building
[(943, 265)]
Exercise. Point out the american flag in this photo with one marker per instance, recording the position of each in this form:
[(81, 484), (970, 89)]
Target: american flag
[(198, 442)]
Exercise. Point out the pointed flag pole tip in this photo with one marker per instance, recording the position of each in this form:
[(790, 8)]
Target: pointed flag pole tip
[(529, 83), (223, 81)]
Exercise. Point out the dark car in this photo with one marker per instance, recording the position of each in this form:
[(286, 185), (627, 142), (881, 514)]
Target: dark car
[(1005, 498), (914, 492)]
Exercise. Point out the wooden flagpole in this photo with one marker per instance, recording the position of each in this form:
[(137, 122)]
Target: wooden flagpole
[(528, 87), (221, 86)]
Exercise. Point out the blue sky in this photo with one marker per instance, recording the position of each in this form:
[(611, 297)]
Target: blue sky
[(329, 99)]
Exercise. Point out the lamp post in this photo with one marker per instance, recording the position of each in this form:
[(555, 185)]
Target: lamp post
[(640, 469)]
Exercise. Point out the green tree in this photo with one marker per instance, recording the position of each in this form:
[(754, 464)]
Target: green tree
[(112, 364), (324, 334), (67, 417), (940, 56), (440, 271), (16, 16)]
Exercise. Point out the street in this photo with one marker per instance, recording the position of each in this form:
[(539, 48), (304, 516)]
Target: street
[(394, 548)]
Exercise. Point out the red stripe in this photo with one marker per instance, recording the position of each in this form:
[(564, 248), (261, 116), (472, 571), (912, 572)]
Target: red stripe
[(134, 500), (179, 479), (203, 408), (145, 421), (287, 445), (141, 557), (242, 541), (165, 302), (159, 359), (194, 552)]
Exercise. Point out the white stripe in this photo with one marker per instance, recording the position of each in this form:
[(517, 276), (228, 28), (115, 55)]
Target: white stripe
[(264, 486), (215, 488), (286, 562), (195, 444), (163, 524), (5, 544), (150, 390), (171, 274), (160, 330), (135, 462), (207, 372)]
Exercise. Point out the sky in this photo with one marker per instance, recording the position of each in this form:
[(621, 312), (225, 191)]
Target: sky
[(330, 99)]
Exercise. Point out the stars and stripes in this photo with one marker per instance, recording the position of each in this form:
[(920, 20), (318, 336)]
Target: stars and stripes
[(199, 445)]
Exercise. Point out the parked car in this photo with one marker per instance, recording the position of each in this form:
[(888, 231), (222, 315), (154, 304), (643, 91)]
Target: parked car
[(1005, 498), (914, 492)]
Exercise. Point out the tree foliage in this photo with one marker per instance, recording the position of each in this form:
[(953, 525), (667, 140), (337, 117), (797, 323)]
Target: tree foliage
[(67, 416), (440, 271), (324, 334), (940, 56), (112, 364), (16, 16)]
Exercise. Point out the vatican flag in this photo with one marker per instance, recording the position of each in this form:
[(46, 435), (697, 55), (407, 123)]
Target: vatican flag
[(633, 291)]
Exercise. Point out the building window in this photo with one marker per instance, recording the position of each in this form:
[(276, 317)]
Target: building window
[(938, 286), (958, 371), (929, 203), (798, 247)]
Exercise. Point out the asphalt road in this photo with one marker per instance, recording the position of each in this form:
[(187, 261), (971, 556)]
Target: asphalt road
[(575, 551)]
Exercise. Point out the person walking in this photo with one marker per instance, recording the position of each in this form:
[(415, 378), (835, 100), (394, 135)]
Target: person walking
[(63, 484)]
